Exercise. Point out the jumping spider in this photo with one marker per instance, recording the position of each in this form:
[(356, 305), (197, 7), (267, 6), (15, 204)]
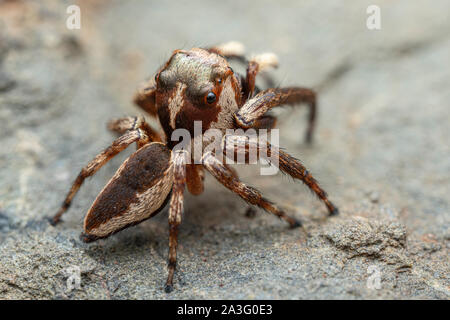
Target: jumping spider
[(194, 85)]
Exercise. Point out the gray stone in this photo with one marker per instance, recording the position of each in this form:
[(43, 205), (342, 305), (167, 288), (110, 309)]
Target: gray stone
[(381, 151)]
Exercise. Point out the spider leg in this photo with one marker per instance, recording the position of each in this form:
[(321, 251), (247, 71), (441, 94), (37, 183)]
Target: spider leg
[(230, 50), (234, 144), (235, 50), (265, 122), (175, 213), (226, 177), (256, 107), (92, 167), (194, 178), (145, 97), (122, 125), (257, 64), (251, 211)]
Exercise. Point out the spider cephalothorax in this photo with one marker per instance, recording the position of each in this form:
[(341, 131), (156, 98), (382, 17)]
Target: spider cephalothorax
[(197, 85)]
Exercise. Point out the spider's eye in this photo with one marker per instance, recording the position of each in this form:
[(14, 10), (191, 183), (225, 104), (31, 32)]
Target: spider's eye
[(211, 97)]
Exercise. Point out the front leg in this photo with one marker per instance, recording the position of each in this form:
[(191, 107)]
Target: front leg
[(122, 125), (256, 65), (239, 144), (145, 97), (92, 167), (230, 180), (256, 107), (175, 212)]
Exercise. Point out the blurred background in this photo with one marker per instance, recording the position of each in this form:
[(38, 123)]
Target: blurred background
[(381, 151)]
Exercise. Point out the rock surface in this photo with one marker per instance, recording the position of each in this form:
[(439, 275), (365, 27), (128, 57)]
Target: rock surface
[(381, 151)]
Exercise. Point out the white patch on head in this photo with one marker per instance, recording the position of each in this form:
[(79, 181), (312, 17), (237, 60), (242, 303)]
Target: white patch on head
[(266, 60), (227, 103), (176, 102)]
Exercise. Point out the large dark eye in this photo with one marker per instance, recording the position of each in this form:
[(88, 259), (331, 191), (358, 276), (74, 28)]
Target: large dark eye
[(211, 97)]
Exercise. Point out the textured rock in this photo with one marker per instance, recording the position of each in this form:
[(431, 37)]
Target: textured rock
[(364, 237), (381, 152)]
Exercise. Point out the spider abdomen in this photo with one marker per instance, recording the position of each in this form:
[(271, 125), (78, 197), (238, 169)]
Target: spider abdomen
[(136, 192)]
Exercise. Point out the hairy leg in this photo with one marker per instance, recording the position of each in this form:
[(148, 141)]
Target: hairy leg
[(145, 97), (250, 212), (233, 144), (265, 122), (122, 125), (92, 167), (232, 49), (225, 176), (256, 107), (175, 213), (194, 178), (257, 63)]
